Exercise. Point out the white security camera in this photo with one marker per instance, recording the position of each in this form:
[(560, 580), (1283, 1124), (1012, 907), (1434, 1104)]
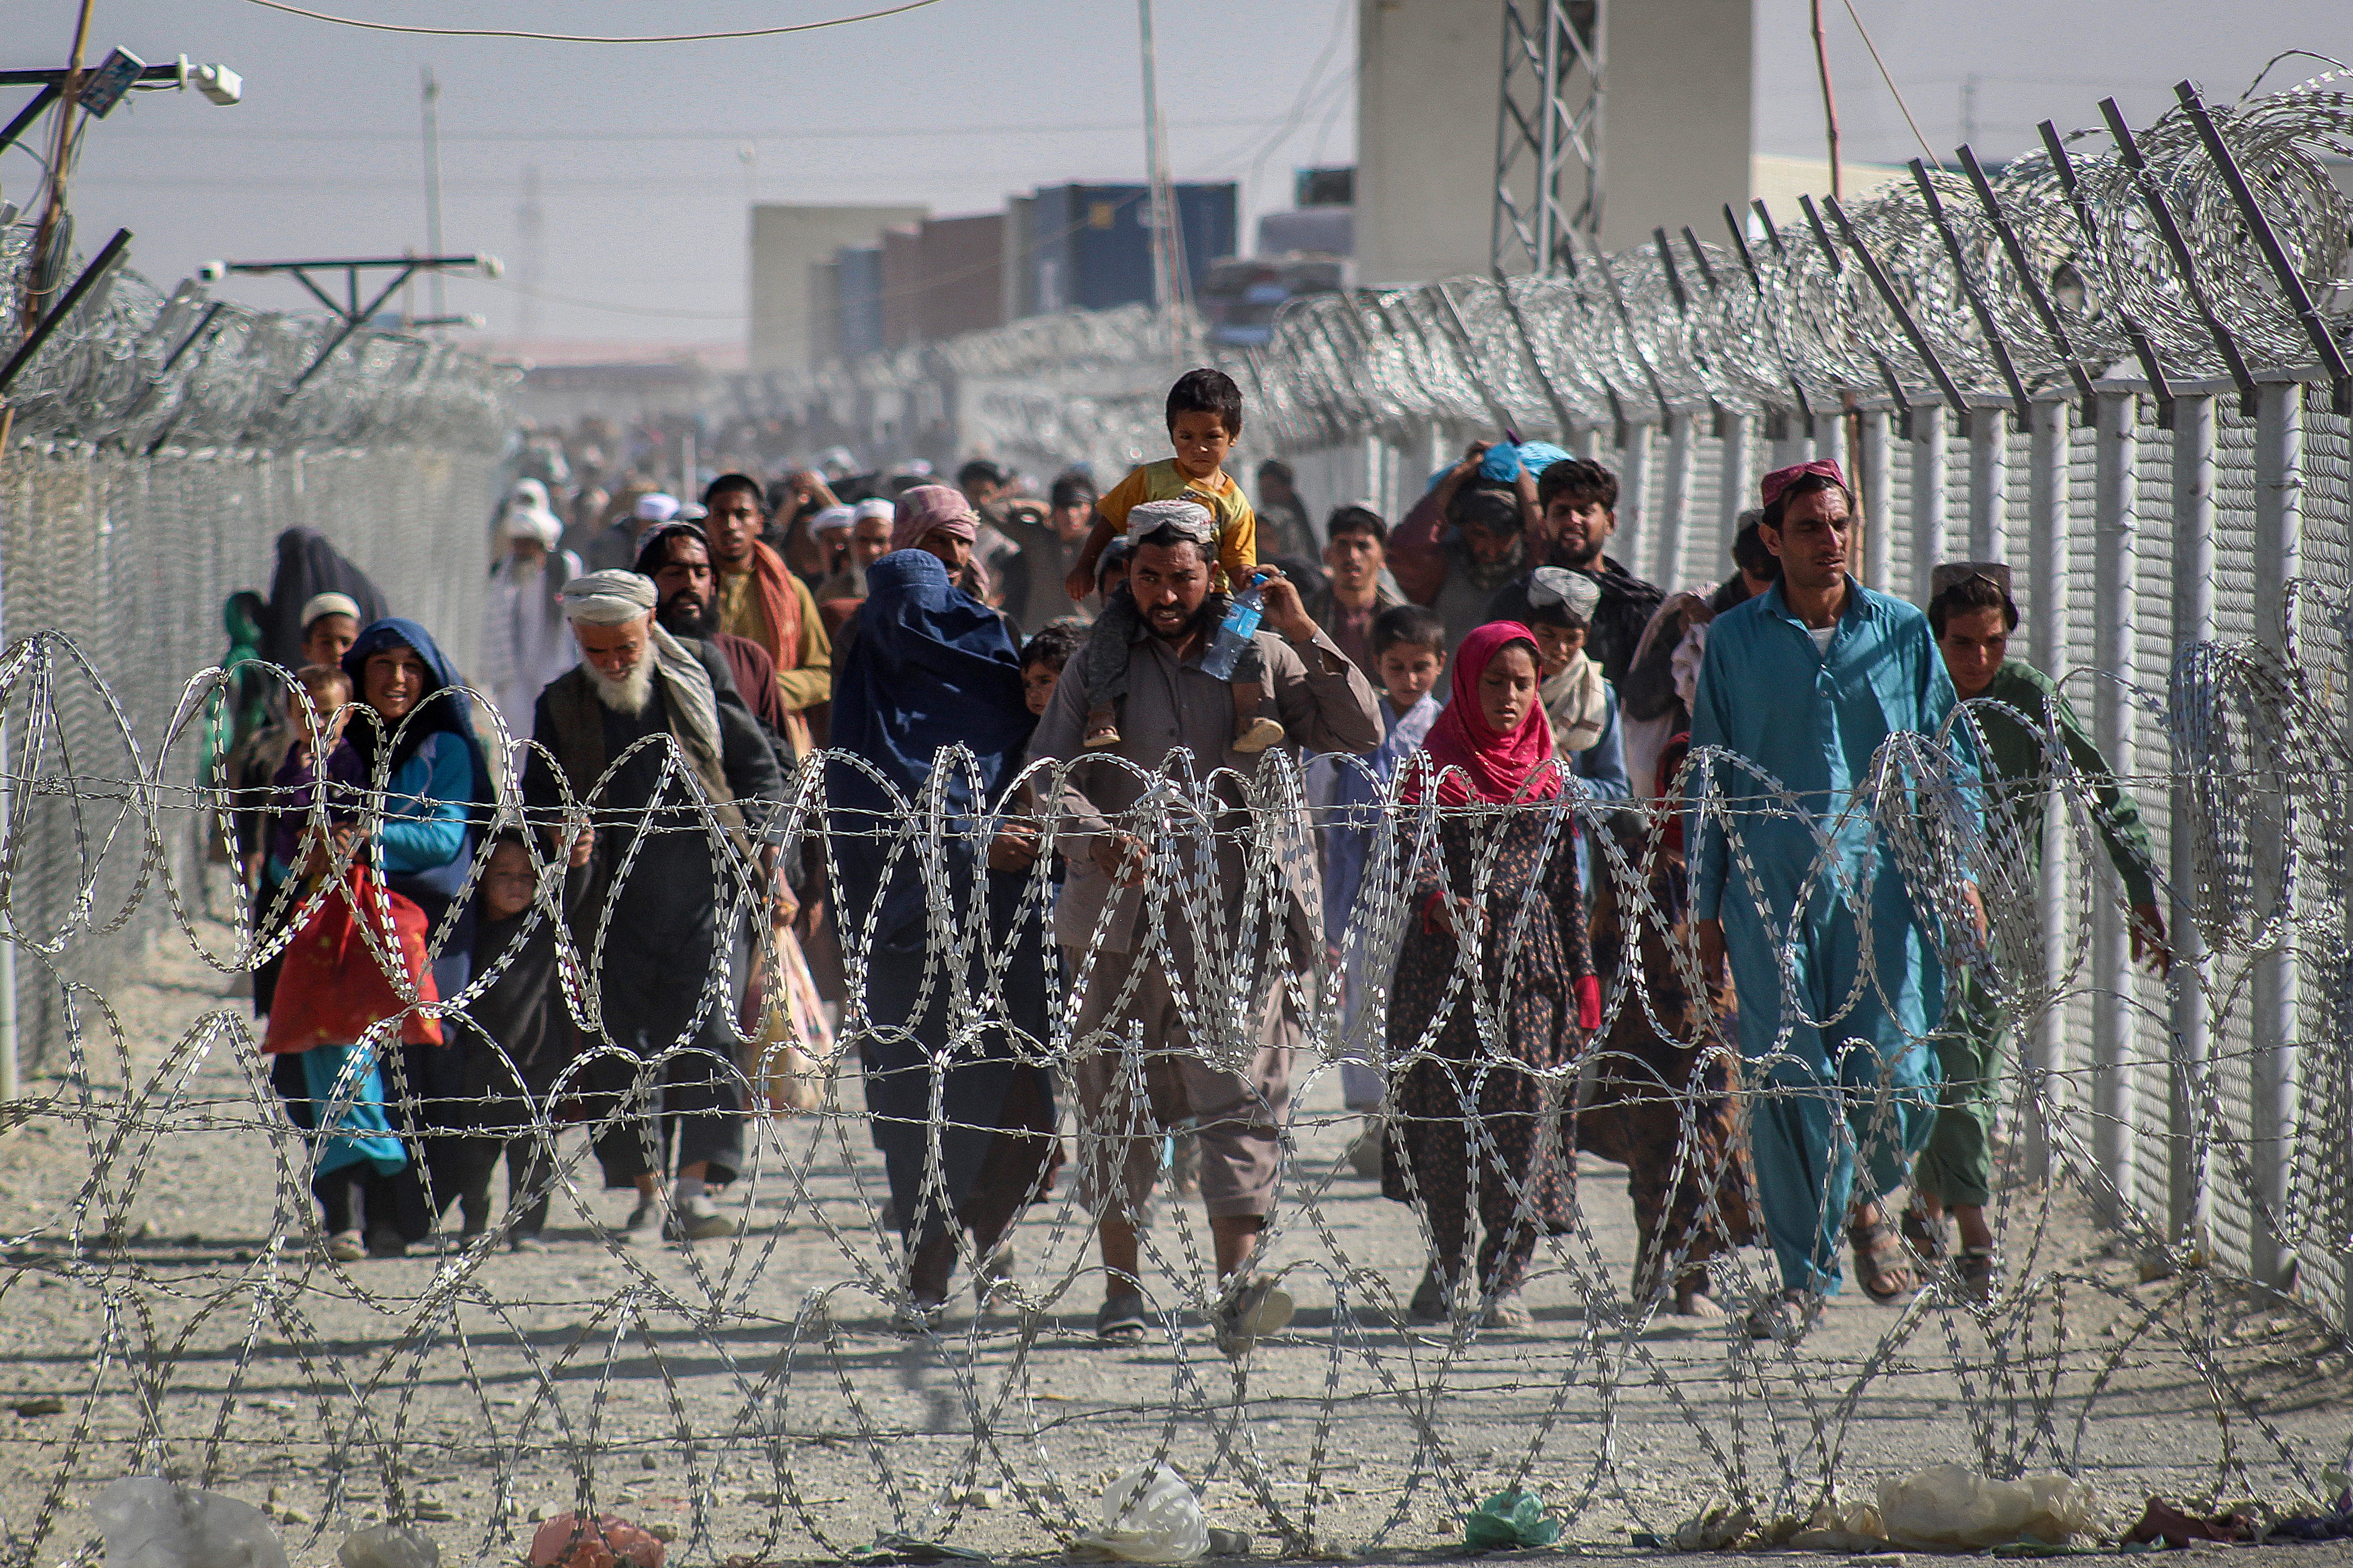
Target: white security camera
[(491, 267), (220, 83), (212, 271)]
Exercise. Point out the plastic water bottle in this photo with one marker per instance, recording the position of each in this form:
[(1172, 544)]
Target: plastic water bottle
[(1235, 632)]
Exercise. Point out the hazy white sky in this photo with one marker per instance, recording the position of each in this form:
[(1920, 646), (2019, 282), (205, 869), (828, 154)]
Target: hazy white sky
[(642, 150)]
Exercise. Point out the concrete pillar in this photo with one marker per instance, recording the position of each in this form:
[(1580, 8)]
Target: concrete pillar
[(1928, 497), (1732, 491), (1878, 499), (2189, 1096), (2046, 595), (1675, 522), (2115, 547), (2279, 549), (1989, 484)]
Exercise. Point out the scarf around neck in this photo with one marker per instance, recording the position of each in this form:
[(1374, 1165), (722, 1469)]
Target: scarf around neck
[(1468, 757), (1577, 701)]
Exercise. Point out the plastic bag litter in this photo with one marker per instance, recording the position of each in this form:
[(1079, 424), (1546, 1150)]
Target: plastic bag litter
[(1150, 1515), (1834, 1528), (568, 1541), (1511, 1518), (1714, 1529), (1952, 1505), (388, 1546), (150, 1522)]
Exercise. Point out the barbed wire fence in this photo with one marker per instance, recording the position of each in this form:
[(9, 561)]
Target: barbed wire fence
[(2172, 1210), (156, 447), (2119, 361)]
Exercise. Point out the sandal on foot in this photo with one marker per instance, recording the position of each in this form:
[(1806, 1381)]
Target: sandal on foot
[(1428, 1303), (1786, 1317), (1257, 736), (1975, 1269), (1508, 1312), (1121, 1321), (1923, 1236), (346, 1246), (1880, 1266), (1100, 734), (1256, 1309)]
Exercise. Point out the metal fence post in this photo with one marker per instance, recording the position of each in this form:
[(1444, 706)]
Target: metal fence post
[(2271, 1121), (1732, 481), (1927, 498), (1989, 484), (1878, 499), (1674, 520), (1635, 527), (2114, 547), (2047, 641), (1793, 446), (2190, 1062)]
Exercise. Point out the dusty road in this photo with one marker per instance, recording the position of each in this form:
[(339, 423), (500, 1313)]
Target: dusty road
[(162, 1296)]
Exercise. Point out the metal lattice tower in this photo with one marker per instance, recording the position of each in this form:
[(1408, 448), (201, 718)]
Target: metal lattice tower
[(1548, 134)]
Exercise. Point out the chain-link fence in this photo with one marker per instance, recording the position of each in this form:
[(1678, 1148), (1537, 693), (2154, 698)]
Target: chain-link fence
[(155, 450)]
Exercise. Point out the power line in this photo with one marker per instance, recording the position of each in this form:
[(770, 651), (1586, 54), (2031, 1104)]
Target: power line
[(1892, 89), (863, 133), (590, 37)]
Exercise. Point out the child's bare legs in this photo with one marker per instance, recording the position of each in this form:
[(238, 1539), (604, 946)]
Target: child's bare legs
[(1969, 1218)]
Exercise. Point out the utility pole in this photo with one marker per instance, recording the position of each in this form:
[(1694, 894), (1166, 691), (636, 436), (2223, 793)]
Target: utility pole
[(1548, 135), (431, 94), (1167, 281)]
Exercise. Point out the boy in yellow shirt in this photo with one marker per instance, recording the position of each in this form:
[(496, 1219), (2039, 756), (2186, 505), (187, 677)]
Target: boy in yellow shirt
[(1204, 418)]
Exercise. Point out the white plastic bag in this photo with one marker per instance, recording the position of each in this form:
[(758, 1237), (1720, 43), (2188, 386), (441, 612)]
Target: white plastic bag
[(150, 1522), (1150, 1515), (1951, 1505)]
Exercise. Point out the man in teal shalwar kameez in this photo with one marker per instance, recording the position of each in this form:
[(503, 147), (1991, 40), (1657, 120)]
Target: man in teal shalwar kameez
[(1805, 682)]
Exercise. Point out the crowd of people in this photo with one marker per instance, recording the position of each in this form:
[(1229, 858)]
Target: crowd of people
[(1634, 843)]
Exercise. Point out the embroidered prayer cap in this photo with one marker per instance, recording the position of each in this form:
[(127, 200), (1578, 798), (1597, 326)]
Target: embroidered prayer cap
[(1780, 479)]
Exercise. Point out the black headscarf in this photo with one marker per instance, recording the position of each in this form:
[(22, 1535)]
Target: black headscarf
[(308, 566)]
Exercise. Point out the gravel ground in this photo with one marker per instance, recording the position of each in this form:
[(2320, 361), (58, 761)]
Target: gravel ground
[(171, 1313)]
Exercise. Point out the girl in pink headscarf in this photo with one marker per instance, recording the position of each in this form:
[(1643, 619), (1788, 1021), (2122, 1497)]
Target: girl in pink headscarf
[(1494, 986)]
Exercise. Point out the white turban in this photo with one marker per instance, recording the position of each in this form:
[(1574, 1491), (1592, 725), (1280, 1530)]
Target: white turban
[(656, 507), (873, 506), (608, 598), (832, 517), (1189, 518)]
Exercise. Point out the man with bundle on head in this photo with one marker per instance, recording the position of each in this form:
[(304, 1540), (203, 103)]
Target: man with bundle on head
[(1836, 967), (1972, 614), (1126, 904), (667, 897)]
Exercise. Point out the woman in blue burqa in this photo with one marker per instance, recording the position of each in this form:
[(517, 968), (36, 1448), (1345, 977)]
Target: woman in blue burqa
[(951, 927), (412, 728)]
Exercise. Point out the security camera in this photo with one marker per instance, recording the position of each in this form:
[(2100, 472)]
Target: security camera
[(491, 265), (220, 83), (212, 271)]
